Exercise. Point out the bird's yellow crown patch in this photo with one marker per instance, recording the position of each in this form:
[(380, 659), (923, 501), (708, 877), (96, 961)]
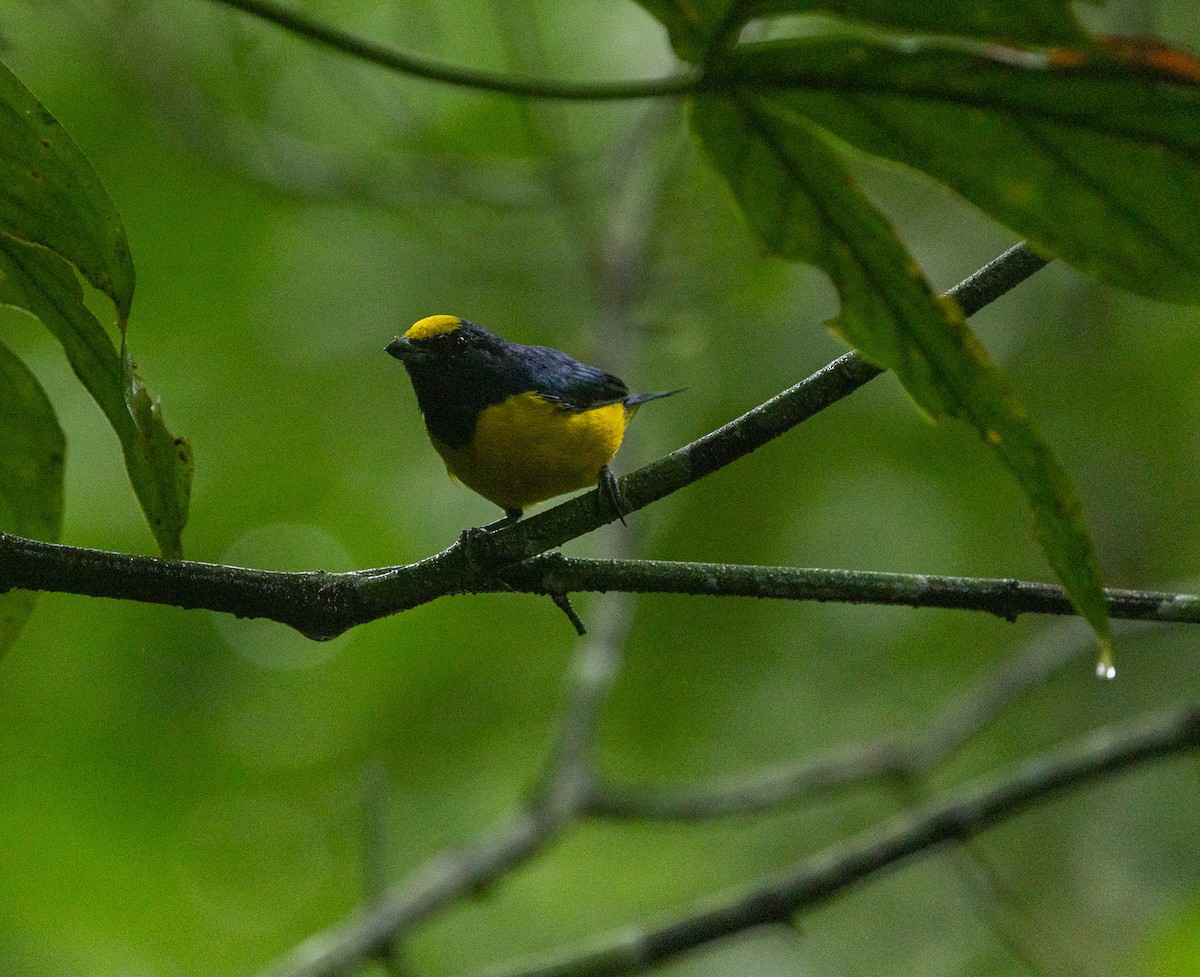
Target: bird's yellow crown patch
[(433, 325)]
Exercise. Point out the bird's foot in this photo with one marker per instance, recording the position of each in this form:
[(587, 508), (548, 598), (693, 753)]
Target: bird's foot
[(475, 542), (610, 494)]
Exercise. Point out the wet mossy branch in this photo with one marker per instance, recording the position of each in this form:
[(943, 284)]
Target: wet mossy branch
[(323, 605), (1005, 597)]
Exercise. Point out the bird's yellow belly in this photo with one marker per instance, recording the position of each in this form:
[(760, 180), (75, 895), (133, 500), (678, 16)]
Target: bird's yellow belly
[(526, 450)]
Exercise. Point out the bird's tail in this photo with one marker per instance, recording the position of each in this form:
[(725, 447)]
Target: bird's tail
[(634, 401)]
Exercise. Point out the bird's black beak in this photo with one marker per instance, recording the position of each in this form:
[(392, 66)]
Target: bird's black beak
[(402, 349)]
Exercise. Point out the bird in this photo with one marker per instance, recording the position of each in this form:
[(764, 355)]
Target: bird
[(517, 424)]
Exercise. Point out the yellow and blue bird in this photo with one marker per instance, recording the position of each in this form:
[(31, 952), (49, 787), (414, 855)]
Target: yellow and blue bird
[(518, 424)]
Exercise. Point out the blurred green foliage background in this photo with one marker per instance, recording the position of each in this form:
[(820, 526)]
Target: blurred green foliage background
[(183, 794)]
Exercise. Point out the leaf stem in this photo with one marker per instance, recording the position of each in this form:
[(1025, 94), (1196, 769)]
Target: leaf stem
[(414, 66)]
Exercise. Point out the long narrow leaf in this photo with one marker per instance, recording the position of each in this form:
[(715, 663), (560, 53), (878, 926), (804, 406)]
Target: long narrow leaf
[(799, 199), (159, 464), (32, 449), (56, 218), (50, 196)]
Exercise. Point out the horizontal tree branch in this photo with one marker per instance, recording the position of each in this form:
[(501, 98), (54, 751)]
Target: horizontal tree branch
[(323, 605), (1005, 597), (959, 816)]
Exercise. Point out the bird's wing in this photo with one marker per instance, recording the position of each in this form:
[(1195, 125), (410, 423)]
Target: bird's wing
[(563, 379)]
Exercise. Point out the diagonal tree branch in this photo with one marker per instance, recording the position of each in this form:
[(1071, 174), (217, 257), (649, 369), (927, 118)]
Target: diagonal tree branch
[(559, 800), (959, 816)]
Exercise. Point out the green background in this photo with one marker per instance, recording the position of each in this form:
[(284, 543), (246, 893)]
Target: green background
[(183, 794)]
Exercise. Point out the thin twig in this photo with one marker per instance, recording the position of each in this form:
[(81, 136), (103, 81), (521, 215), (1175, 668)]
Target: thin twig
[(373, 782), (570, 774), (993, 901), (888, 757), (374, 785), (441, 881), (560, 798)]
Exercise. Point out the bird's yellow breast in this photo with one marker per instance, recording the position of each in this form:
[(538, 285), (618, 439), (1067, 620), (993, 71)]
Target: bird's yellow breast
[(526, 449)]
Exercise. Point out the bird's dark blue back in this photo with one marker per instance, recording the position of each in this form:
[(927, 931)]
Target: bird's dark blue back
[(557, 376)]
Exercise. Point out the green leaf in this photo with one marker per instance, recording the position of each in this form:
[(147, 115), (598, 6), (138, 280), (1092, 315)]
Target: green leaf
[(159, 464), (50, 196), (1099, 165), (32, 449), (801, 202), (694, 26), (55, 218)]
